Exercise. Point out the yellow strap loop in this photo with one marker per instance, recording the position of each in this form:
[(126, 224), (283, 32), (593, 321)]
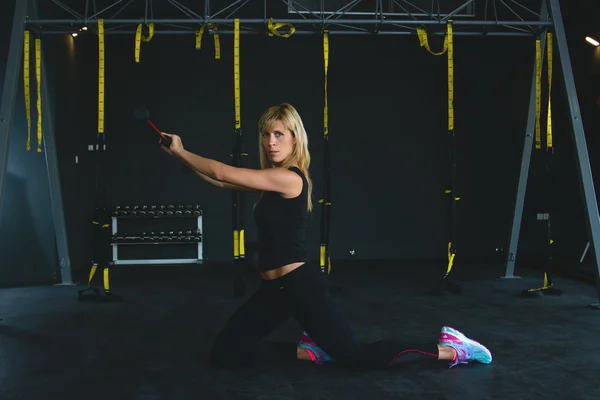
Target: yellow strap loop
[(549, 122), (27, 88), (273, 29), (449, 49), (326, 60), (424, 42), (217, 42), (38, 74), (139, 37), (198, 35), (100, 75)]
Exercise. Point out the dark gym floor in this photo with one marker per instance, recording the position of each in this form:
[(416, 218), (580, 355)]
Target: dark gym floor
[(154, 343)]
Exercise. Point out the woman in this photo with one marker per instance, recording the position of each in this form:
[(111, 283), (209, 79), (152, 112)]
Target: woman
[(291, 286)]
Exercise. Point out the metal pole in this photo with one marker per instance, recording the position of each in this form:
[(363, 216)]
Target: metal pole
[(60, 229), (583, 163), (11, 76), (525, 161), (311, 32), (302, 21)]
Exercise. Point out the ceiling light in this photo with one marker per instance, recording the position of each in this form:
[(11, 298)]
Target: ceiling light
[(592, 41)]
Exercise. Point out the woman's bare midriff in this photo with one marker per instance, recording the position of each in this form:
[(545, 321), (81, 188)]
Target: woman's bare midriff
[(281, 271)]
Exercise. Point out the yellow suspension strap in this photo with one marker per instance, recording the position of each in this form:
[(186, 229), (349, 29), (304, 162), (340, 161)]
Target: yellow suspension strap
[(38, 75), (538, 93), (26, 85), (239, 247), (100, 76), (325, 258), (453, 196), (548, 287), (275, 27), (217, 41), (451, 192), (141, 36), (101, 221), (198, 34)]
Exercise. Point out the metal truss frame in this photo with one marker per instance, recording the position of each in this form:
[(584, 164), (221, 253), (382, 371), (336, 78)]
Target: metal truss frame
[(386, 17), (390, 17)]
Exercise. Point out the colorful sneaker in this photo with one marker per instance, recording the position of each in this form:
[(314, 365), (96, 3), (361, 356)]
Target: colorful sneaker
[(317, 355), (466, 349)]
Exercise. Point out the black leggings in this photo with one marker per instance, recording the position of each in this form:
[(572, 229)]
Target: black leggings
[(303, 295)]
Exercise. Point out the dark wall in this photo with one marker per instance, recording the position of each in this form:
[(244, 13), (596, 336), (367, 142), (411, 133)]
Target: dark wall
[(387, 99), (27, 239)]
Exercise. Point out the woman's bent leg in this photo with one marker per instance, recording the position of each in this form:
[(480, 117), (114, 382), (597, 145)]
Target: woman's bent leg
[(314, 308), (238, 343)]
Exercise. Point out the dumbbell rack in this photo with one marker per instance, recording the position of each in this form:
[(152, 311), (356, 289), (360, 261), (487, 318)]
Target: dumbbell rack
[(178, 236)]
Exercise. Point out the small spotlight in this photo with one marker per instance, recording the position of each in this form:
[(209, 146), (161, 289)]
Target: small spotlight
[(592, 41), (74, 34), (84, 28)]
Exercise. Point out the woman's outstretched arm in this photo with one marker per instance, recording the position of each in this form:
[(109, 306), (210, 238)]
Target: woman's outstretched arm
[(222, 185)]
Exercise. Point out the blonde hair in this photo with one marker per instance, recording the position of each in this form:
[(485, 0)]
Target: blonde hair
[(300, 156)]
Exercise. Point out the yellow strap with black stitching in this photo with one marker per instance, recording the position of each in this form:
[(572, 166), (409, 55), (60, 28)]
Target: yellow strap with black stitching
[(100, 75), (274, 29), (549, 143), (38, 74), (450, 43), (139, 37), (236, 71), (198, 34), (424, 42), (26, 85), (92, 273), (106, 280), (324, 258), (326, 60), (217, 43), (538, 93), (239, 237), (448, 48)]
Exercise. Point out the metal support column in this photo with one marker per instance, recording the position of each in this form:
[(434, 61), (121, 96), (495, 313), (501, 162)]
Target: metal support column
[(525, 162), (11, 77), (56, 200), (583, 163)]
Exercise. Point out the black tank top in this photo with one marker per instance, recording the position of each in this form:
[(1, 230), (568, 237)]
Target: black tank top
[(281, 226)]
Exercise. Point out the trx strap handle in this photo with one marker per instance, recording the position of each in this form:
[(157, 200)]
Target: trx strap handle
[(100, 75), (274, 29), (324, 256), (140, 36), (26, 86), (239, 248)]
